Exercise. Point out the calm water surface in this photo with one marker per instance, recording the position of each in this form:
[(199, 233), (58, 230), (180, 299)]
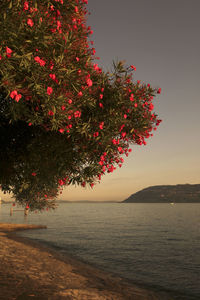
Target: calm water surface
[(157, 245)]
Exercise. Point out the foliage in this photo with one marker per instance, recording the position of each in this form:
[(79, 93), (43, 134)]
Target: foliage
[(62, 119)]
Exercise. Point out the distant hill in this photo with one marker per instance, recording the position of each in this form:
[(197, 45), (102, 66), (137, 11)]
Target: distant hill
[(85, 201), (180, 193)]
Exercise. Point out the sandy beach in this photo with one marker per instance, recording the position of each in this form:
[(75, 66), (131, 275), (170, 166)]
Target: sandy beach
[(29, 270)]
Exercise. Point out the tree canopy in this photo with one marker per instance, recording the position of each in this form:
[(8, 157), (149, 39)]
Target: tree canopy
[(63, 120)]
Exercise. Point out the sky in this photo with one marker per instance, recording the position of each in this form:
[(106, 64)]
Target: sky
[(161, 38)]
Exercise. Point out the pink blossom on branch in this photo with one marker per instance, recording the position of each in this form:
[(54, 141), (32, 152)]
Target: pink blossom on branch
[(8, 51), (25, 5), (13, 94), (89, 82), (49, 90), (30, 22), (18, 97), (159, 91), (39, 61)]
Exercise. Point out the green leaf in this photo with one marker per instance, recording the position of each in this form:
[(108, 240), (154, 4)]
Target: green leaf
[(10, 5), (29, 55)]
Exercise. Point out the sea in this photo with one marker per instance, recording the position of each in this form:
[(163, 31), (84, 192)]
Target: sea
[(154, 245)]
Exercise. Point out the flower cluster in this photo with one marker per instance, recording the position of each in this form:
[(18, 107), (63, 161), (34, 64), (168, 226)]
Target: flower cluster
[(15, 95)]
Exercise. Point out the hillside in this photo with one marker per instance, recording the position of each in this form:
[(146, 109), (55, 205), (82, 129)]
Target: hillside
[(180, 193)]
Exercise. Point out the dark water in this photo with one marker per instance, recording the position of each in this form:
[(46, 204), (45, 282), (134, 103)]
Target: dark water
[(157, 245)]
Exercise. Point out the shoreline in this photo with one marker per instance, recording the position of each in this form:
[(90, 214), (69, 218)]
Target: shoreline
[(30, 270)]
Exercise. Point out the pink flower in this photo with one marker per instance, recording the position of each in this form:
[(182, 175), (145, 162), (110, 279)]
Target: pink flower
[(8, 51), (25, 5), (159, 91), (133, 67), (77, 58), (30, 22), (122, 127), (18, 97), (100, 104), (70, 101), (58, 24), (13, 94), (77, 114), (52, 76), (114, 142), (61, 182), (61, 130), (89, 82), (125, 116), (151, 107), (39, 61), (102, 158), (119, 149), (50, 113), (33, 174), (42, 62), (123, 134), (49, 90), (101, 125), (95, 134), (101, 96), (80, 94), (95, 66)]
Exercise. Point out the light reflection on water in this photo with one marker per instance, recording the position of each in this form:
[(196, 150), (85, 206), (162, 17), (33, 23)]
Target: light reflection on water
[(154, 244)]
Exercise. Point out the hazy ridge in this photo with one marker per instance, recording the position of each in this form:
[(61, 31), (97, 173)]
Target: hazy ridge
[(180, 193)]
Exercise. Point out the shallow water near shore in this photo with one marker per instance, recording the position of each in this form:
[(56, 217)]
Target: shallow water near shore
[(157, 245)]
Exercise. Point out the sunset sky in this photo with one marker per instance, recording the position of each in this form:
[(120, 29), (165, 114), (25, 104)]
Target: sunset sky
[(161, 38)]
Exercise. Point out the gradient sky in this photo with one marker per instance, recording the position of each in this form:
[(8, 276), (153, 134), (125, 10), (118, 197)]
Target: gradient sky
[(161, 38)]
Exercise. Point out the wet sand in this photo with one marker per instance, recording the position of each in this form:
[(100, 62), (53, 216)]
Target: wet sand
[(29, 270)]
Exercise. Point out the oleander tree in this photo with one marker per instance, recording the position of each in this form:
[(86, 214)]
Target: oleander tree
[(63, 120)]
